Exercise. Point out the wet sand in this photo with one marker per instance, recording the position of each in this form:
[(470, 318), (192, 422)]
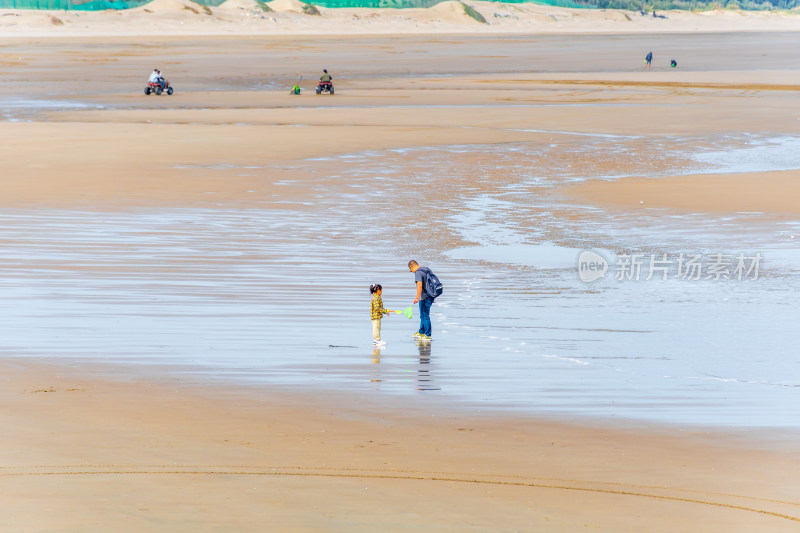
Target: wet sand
[(94, 446), (96, 449), (767, 192)]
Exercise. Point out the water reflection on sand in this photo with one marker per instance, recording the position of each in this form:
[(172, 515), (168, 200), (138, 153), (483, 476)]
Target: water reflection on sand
[(279, 295)]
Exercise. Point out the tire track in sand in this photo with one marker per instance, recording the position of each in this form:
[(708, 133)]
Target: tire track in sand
[(616, 489)]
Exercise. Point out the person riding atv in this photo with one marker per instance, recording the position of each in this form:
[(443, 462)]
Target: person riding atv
[(325, 83), (157, 84), (156, 77)]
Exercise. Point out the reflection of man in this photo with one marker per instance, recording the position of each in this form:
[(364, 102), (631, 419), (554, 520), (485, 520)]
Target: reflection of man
[(424, 356), (424, 377), (425, 301)]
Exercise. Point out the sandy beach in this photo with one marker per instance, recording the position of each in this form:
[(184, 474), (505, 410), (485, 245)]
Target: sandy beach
[(185, 275), (92, 450)]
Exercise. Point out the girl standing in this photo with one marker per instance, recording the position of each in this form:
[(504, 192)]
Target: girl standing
[(377, 312)]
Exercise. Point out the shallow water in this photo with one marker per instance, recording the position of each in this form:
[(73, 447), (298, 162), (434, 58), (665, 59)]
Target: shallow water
[(280, 295), (15, 109)]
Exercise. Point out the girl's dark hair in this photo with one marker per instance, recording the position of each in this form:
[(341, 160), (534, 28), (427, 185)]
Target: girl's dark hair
[(375, 287)]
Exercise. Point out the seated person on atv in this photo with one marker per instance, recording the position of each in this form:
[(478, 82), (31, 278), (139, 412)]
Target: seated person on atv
[(325, 78), (156, 77)]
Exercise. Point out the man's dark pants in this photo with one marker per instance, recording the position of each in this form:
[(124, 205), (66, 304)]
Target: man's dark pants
[(425, 316)]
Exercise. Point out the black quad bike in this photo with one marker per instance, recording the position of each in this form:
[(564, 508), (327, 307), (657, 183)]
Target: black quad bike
[(325, 87)]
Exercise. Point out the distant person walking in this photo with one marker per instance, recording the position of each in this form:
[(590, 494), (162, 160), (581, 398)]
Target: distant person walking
[(428, 288), (648, 59), (376, 313)]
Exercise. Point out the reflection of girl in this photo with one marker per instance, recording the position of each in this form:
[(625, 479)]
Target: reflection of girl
[(376, 313)]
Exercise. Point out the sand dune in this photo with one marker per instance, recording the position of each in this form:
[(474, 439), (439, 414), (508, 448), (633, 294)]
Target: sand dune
[(179, 17), (287, 6), (240, 8), (451, 11), (238, 4), (169, 6)]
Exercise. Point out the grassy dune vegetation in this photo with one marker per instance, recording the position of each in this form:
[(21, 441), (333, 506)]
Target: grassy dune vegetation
[(694, 5)]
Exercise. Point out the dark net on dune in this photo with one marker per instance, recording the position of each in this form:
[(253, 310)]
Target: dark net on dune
[(102, 5)]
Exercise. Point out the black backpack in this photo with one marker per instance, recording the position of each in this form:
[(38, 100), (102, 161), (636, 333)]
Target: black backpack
[(432, 286)]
